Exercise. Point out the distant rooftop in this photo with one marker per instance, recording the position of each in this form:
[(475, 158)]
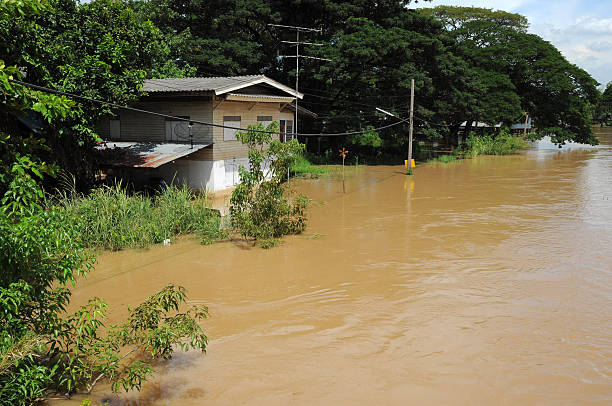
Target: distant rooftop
[(218, 85)]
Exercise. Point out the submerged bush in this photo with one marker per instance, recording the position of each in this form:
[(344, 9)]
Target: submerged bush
[(111, 218), (262, 207), (502, 144)]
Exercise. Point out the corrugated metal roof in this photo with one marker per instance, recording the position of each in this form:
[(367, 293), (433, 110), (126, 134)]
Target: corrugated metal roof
[(146, 155), (256, 97), (218, 85)]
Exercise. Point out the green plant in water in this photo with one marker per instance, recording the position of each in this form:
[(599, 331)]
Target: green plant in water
[(502, 144), (43, 349), (111, 218), (444, 159), (303, 167), (261, 206)]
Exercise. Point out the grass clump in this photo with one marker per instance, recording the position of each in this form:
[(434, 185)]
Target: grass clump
[(502, 144), (304, 168), (111, 218), (444, 159)]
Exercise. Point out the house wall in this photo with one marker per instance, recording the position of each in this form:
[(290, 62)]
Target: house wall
[(206, 175), (145, 127), (224, 150), (213, 168)]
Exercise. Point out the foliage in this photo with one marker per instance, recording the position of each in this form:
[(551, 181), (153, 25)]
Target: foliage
[(42, 254), (98, 49), (502, 143), (261, 206), (603, 108), (42, 349), (303, 167), (111, 218), (515, 72), (444, 159)]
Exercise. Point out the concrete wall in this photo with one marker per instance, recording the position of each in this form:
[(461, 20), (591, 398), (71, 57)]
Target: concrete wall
[(211, 176)]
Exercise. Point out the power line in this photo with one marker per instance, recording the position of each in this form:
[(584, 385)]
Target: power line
[(190, 121)]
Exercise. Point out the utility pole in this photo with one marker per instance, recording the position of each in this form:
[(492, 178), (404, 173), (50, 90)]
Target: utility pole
[(297, 57), (525, 128), (411, 127)]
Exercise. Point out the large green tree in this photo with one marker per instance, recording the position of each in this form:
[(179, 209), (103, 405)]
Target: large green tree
[(604, 105), (516, 72), (98, 49)]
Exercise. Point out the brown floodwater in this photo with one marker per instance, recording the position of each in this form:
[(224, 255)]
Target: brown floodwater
[(486, 281)]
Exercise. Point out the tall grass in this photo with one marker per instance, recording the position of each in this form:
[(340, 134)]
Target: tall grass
[(111, 218), (444, 159), (502, 144), (303, 167)]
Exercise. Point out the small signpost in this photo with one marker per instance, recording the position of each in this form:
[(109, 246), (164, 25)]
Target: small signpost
[(343, 153)]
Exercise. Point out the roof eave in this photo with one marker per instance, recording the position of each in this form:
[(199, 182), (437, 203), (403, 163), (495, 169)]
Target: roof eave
[(257, 81)]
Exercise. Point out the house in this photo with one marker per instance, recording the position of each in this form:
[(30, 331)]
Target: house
[(145, 147)]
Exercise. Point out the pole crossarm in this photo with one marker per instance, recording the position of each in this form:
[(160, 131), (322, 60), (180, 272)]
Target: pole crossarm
[(304, 56), (319, 30), (303, 43)]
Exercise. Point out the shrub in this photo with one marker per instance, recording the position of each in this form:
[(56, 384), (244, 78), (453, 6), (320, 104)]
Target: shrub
[(502, 144), (261, 206)]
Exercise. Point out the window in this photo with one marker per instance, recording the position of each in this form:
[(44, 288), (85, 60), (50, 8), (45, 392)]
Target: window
[(286, 130), (177, 130), (289, 130), (229, 134), (265, 120)]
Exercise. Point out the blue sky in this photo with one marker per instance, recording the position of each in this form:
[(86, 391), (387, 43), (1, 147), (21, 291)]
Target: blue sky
[(580, 29)]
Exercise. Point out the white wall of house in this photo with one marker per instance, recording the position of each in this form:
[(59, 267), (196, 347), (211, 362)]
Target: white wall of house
[(211, 176)]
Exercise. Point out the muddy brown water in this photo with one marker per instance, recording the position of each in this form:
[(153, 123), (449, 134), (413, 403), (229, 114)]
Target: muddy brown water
[(487, 281)]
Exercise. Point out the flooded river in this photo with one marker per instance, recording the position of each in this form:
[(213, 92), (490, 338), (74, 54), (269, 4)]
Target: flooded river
[(486, 281)]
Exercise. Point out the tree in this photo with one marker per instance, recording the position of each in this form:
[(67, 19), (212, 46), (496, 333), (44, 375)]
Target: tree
[(218, 38), (516, 72), (41, 348), (260, 207), (604, 105), (97, 49)]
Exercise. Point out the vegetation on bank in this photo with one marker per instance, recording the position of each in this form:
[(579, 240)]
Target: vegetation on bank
[(45, 350), (443, 159), (302, 167), (111, 218), (500, 144)]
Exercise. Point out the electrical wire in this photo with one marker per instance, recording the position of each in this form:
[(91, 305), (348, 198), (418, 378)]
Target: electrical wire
[(190, 121)]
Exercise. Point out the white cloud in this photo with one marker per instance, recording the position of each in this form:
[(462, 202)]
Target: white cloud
[(580, 29)]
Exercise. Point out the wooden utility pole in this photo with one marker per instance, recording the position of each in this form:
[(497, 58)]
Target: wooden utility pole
[(411, 126)]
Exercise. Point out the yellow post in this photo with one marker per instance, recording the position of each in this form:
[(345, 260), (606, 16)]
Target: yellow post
[(412, 164), (406, 163)]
